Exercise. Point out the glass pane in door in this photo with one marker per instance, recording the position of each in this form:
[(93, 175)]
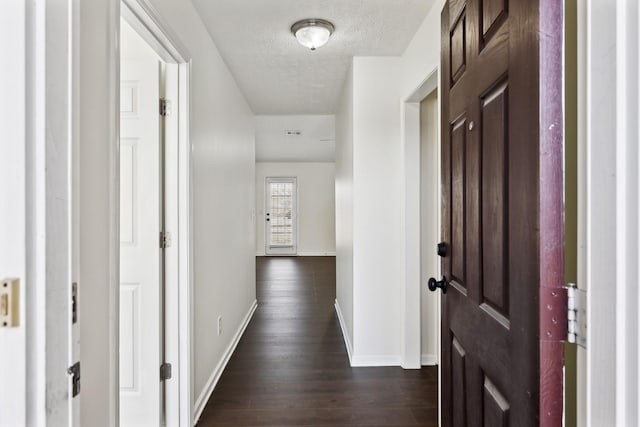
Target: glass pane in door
[(281, 215)]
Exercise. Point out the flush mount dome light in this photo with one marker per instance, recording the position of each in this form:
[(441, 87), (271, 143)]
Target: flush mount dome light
[(312, 33)]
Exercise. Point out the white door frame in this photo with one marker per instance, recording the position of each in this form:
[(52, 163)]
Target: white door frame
[(285, 250), (411, 350), (178, 301), (39, 128), (608, 210)]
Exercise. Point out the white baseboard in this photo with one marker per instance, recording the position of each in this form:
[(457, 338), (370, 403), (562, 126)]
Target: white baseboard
[(301, 254), (317, 253), (362, 360), (202, 400), (345, 334), (373, 360), (429, 360)]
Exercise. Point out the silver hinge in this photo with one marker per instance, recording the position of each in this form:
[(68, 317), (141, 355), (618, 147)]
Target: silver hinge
[(576, 315), (165, 107), (74, 302), (165, 239), (165, 371), (74, 371)]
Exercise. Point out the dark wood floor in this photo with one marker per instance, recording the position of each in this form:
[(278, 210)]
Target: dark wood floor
[(291, 367)]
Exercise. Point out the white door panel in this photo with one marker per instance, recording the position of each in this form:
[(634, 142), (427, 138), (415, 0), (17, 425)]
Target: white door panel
[(140, 279), (13, 199)]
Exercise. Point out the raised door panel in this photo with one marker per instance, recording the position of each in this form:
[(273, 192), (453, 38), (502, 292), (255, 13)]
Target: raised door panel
[(458, 51), (129, 337), (495, 406), (459, 381), (458, 183), (128, 191), (495, 291), (493, 13)]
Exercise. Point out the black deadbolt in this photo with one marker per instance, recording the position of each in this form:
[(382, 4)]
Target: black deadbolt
[(442, 249)]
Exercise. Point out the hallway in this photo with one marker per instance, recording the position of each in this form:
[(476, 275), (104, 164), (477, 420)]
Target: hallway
[(291, 367)]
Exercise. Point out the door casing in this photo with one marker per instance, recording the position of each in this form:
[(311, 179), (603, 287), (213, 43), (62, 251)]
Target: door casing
[(178, 301), (414, 283)]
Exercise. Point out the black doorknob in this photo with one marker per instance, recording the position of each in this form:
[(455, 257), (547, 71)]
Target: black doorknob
[(435, 284), (442, 249)]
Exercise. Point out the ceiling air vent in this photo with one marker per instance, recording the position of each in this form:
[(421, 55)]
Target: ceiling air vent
[(293, 132)]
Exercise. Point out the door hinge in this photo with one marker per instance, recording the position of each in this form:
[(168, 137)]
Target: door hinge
[(165, 107), (74, 371), (74, 302), (165, 371), (165, 239), (576, 315)]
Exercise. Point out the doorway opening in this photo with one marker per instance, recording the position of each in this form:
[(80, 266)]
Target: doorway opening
[(422, 210), (429, 226), (155, 298), (281, 216)]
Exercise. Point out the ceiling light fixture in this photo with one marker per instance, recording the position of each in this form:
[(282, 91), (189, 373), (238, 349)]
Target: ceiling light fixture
[(312, 33)]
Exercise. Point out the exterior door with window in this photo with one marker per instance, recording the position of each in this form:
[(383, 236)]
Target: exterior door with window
[(281, 216)]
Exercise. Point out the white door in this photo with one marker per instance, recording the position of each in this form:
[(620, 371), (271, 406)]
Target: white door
[(13, 224), (281, 216), (38, 128), (140, 266)]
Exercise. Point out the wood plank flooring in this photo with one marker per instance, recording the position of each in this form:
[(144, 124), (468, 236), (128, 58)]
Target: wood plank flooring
[(291, 367)]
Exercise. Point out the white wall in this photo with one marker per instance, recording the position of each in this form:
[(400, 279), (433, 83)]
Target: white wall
[(422, 55), (377, 168), (222, 135), (344, 211), (375, 95), (316, 205)]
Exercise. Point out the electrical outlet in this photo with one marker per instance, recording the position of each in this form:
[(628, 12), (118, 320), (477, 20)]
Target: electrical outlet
[(219, 325)]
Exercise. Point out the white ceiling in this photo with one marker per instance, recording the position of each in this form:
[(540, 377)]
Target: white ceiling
[(276, 74), (316, 142)]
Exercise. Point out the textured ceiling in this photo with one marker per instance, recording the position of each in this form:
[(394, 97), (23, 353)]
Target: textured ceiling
[(315, 143), (276, 74)]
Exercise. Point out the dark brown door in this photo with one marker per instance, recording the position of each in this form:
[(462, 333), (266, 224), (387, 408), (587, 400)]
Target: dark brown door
[(502, 212)]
